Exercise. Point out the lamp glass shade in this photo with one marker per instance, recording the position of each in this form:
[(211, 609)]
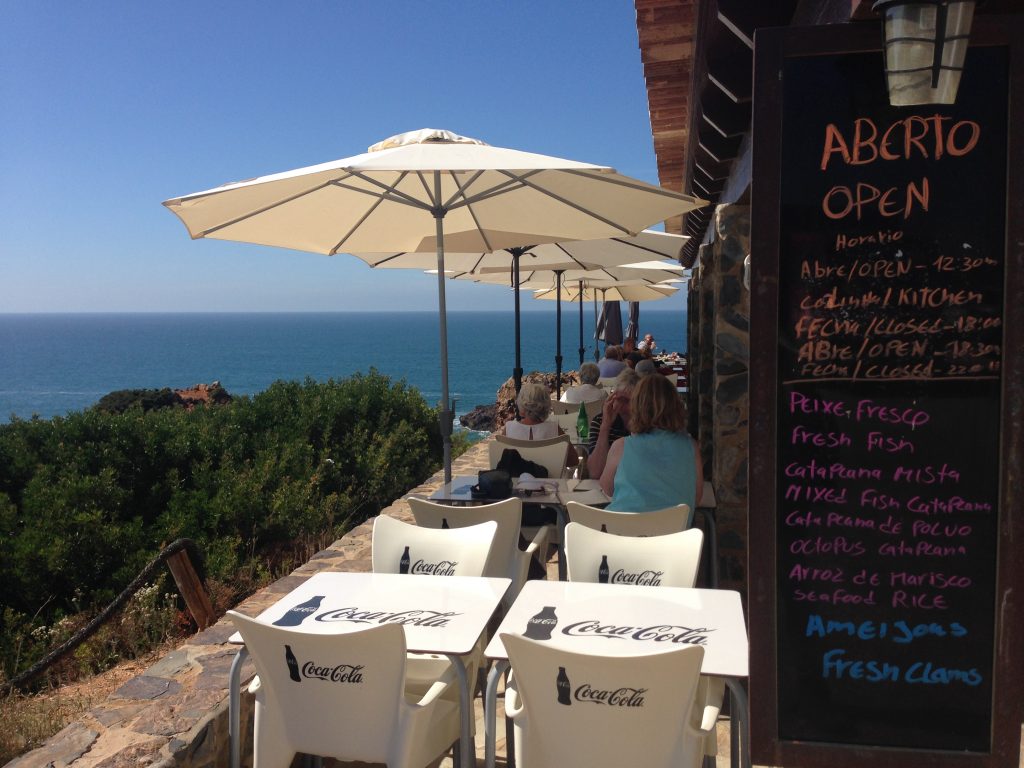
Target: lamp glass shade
[(925, 46)]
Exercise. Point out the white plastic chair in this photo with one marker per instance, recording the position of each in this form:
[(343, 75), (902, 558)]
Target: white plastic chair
[(550, 454), (668, 560), (507, 560), (399, 547), (567, 422), (655, 523), (342, 695), (671, 560), (594, 407), (559, 408), (561, 705)]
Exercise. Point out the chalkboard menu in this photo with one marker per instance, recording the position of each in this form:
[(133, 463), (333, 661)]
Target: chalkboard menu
[(890, 330)]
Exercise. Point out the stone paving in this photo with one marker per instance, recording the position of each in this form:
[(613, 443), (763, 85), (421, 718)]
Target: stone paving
[(175, 713)]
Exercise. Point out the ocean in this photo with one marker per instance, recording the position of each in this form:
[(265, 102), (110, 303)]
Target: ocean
[(51, 364)]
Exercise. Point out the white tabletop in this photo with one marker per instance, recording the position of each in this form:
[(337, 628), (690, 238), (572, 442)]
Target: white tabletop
[(440, 614), (616, 619), (458, 491)]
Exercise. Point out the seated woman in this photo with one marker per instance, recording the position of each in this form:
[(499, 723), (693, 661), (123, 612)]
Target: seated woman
[(611, 364), (658, 465), (534, 405), (587, 390), (611, 423)]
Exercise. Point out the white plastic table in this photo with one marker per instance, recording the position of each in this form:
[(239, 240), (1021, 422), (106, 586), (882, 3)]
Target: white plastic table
[(557, 492), (657, 618), (440, 614)]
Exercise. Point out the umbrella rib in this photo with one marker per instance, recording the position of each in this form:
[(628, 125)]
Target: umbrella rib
[(391, 257), (566, 251), (460, 190), (640, 247), (426, 188), (497, 189), (623, 182), (388, 191), (264, 209), (564, 201), (355, 226)]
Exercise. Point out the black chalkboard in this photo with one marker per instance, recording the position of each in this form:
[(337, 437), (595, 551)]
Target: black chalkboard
[(888, 381)]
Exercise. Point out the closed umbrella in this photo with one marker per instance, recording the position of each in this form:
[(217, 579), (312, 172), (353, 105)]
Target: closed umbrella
[(429, 190), (633, 326), (609, 325)]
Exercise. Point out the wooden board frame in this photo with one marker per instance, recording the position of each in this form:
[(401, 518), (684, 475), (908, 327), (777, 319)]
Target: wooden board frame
[(772, 47)]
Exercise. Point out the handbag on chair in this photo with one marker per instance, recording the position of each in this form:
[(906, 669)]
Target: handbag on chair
[(492, 484)]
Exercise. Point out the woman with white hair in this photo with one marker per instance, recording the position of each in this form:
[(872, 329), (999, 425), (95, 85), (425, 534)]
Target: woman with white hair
[(587, 390), (534, 403)]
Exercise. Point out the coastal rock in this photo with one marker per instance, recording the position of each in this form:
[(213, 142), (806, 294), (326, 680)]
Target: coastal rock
[(480, 418), (506, 408), (121, 400), (202, 394)]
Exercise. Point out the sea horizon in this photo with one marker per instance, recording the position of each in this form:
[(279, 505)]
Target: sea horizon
[(54, 363)]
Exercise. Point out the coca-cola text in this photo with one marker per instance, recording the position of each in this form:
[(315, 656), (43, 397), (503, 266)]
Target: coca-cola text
[(641, 579), (620, 697), (659, 633), (411, 617), (443, 568), (339, 673)]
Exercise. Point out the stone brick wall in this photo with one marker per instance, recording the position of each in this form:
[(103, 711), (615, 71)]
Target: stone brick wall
[(719, 332), (175, 713)]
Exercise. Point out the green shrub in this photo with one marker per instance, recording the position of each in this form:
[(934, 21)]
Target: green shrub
[(88, 499)]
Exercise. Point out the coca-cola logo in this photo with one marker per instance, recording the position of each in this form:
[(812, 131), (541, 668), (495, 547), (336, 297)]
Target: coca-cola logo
[(642, 579), (412, 617), (619, 697), (541, 620), (339, 673), (658, 633), (442, 568)]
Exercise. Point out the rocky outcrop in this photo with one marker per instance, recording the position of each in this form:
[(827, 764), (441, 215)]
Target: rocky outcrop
[(202, 394), (121, 400), (493, 417), (480, 418)]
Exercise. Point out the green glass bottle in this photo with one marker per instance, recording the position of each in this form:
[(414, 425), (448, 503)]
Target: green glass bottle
[(583, 424)]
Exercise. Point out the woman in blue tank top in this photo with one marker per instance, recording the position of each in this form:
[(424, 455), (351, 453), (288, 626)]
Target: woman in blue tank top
[(658, 465)]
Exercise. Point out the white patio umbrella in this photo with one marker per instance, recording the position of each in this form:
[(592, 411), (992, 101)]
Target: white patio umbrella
[(540, 262), (424, 191), (587, 290), (610, 292), (558, 277)]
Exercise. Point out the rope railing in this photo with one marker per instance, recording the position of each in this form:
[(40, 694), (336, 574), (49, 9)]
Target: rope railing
[(177, 547)]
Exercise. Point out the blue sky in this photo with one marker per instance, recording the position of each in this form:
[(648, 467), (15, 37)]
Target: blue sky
[(110, 108)]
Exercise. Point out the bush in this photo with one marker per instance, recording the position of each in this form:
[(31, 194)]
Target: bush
[(88, 499)]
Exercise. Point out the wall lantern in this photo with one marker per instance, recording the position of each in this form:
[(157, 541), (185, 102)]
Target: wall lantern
[(925, 45)]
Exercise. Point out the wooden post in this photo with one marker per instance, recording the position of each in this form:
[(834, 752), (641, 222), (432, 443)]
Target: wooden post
[(191, 588)]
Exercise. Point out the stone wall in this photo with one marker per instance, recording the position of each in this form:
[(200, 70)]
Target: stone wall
[(720, 329), (175, 713)]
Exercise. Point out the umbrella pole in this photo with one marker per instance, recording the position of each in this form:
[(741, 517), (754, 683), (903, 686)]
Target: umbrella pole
[(558, 334), (446, 415), (596, 345), (580, 298), (517, 372)]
